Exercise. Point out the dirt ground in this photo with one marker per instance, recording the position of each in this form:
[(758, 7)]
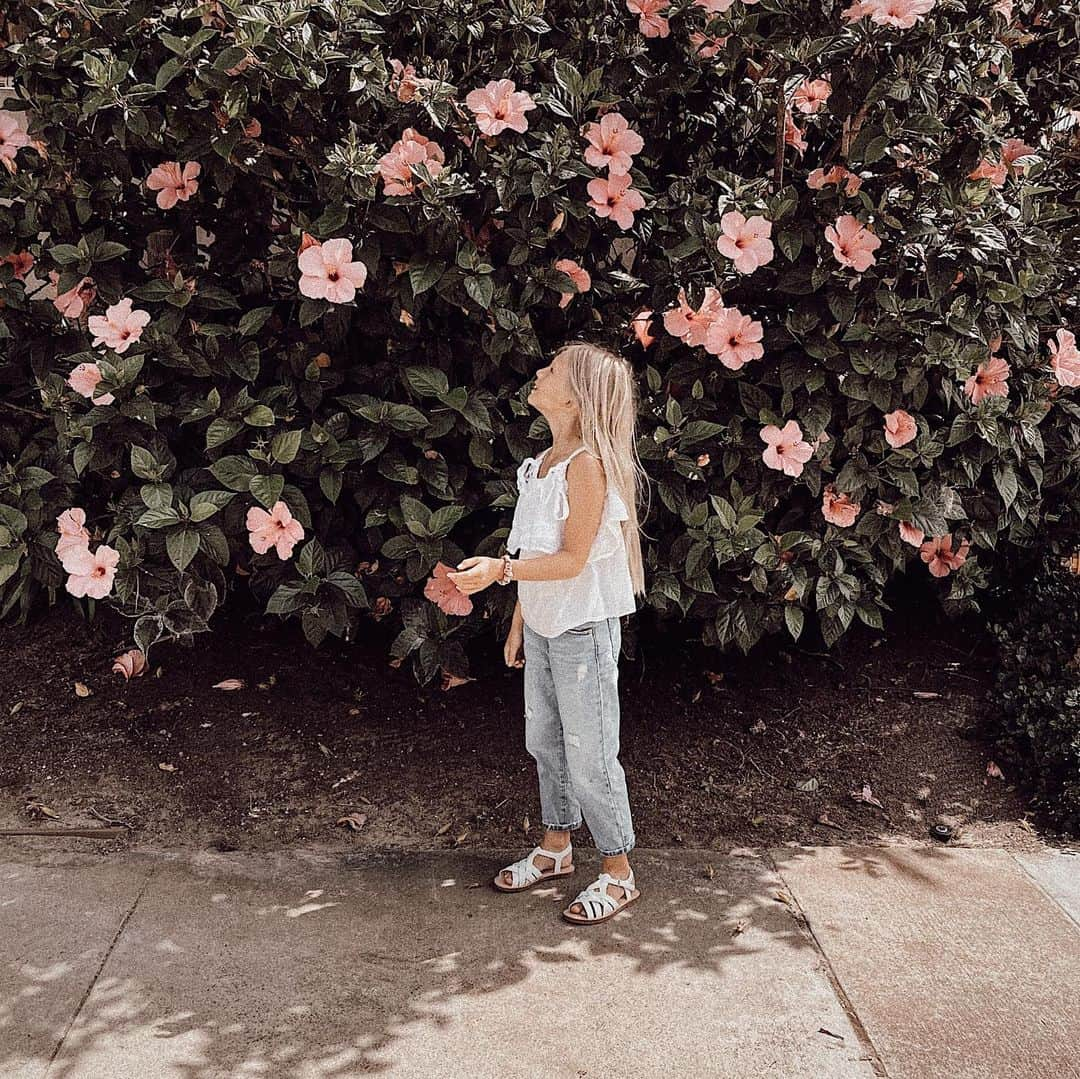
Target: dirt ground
[(713, 745)]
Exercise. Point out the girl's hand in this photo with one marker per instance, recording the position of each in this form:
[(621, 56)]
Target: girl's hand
[(476, 573), (513, 650)]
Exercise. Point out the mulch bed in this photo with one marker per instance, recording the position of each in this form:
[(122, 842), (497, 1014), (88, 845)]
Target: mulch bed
[(713, 744)]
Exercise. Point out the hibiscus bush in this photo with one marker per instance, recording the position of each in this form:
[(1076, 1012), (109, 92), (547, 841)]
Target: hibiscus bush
[(274, 280), (1034, 705)]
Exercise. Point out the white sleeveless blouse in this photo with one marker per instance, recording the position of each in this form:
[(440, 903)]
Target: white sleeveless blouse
[(603, 588)]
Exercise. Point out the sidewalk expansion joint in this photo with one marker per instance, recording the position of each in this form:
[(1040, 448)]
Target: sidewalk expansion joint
[(861, 1032), (101, 966), (1042, 888)]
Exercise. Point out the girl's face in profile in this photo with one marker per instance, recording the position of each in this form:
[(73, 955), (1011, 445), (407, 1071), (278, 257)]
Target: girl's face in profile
[(551, 392)]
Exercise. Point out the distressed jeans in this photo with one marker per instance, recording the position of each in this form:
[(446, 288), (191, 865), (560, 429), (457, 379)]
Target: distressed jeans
[(572, 731)]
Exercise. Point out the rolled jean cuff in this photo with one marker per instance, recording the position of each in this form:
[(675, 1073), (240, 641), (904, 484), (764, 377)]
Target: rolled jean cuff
[(622, 850), (561, 827)]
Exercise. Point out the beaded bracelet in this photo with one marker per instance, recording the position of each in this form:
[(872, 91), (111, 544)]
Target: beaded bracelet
[(508, 569)]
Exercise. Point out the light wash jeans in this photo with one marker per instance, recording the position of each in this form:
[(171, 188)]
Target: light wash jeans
[(572, 730)]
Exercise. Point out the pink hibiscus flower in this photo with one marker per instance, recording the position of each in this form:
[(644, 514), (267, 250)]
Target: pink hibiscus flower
[(120, 327), (172, 183), (91, 574), (734, 338), (13, 135), (72, 303), (690, 326), (785, 449), (853, 244), (71, 524), (1013, 148), (404, 82), (1064, 358), (500, 105), (577, 274), (441, 590), (642, 326), (988, 170), (909, 533), (614, 197), (902, 14), (793, 136), (812, 95), (705, 46), (839, 509), (835, 175), (327, 271), (22, 261), (277, 529), (745, 240), (411, 149), (612, 144), (939, 556), (84, 379), (900, 428), (990, 380), (650, 22)]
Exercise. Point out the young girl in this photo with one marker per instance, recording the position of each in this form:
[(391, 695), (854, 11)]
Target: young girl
[(579, 569)]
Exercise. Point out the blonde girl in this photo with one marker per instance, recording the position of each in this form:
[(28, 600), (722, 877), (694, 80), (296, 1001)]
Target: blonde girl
[(579, 569)]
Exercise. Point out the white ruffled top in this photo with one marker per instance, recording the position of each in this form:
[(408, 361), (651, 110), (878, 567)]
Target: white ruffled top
[(603, 588)]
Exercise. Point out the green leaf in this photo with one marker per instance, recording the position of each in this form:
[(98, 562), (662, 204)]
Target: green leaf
[(144, 464), (182, 546), (253, 321), (285, 446), (793, 619), (330, 484), (481, 290), (206, 503), (423, 275), (234, 472), (267, 489), (163, 517), (427, 381), (259, 416), (220, 431)]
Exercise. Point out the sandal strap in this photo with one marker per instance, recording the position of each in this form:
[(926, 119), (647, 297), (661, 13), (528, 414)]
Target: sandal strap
[(596, 900), (525, 870)]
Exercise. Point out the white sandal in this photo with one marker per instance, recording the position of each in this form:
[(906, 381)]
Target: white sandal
[(525, 872), (598, 903)]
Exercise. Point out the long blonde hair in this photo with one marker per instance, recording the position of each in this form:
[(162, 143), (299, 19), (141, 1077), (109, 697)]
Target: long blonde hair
[(605, 388)]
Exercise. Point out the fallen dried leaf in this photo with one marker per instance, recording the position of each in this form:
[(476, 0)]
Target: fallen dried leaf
[(83, 690), (461, 837), (167, 767), (925, 695), (16, 708), (783, 897), (807, 784), (230, 683), (345, 779), (866, 795), (39, 811), (354, 821), (824, 819), (739, 926), (525, 824), (709, 871), (993, 770), (445, 828), (324, 751), (131, 664)]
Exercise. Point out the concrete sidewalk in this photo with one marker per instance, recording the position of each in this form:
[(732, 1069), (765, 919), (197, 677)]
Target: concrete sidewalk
[(950, 963)]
